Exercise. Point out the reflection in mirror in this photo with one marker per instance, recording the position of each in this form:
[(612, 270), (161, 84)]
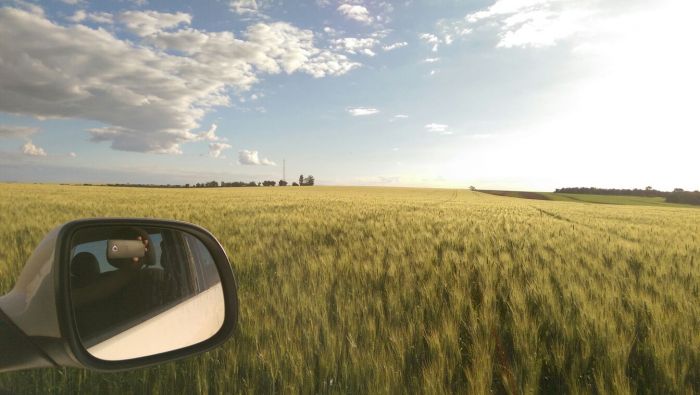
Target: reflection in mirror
[(143, 291)]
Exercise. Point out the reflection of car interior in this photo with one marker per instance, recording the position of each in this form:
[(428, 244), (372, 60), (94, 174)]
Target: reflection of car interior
[(111, 296), (84, 269)]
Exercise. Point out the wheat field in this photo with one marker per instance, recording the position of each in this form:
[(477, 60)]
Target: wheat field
[(379, 290)]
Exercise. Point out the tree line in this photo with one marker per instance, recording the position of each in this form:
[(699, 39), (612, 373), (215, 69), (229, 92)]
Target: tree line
[(678, 195), (303, 181)]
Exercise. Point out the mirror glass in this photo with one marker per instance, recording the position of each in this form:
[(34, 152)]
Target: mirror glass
[(140, 291)]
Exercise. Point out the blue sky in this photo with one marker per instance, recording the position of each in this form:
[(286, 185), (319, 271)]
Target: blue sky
[(513, 94)]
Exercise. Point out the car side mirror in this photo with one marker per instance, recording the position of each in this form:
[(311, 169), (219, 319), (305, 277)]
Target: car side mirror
[(115, 294)]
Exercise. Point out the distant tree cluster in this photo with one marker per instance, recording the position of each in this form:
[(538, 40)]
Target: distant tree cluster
[(677, 196), (685, 197), (305, 181)]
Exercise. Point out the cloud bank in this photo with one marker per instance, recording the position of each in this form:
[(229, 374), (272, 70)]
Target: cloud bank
[(19, 132), (152, 90)]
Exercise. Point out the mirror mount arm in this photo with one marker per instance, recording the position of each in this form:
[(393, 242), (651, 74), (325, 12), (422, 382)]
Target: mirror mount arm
[(17, 351)]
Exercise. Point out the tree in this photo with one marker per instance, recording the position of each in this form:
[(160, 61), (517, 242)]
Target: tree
[(294, 184), (267, 183), (309, 180), (472, 188), (301, 179), (282, 183)]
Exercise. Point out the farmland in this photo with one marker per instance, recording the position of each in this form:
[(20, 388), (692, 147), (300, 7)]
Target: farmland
[(378, 290)]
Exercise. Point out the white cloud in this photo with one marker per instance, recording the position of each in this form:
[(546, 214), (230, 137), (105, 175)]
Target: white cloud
[(246, 157), (431, 60), (250, 9), (78, 16), (534, 23), (146, 23), (361, 111), (244, 7), (149, 94), (32, 150), (29, 7), (438, 128), (11, 131), (215, 149), (449, 29), (446, 32), (72, 2), (355, 12), (97, 17), (216, 145), (504, 7), (368, 52), (326, 63), (354, 45), (100, 17), (72, 154), (210, 135), (394, 46), (400, 116), (431, 39), (432, 72)]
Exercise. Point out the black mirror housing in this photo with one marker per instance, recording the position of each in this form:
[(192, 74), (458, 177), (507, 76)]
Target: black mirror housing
[(37, 320)]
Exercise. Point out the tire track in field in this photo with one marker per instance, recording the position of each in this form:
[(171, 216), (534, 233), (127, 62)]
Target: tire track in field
[(604, 230), (452, 198)]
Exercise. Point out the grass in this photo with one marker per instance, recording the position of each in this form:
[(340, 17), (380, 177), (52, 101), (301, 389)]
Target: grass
[(374, 290), (612, 199), (586, 198)]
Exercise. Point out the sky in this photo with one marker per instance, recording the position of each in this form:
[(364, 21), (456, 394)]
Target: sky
[(498, 94)]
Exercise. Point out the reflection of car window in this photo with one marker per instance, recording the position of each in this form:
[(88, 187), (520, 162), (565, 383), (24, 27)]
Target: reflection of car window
[(207, 273), (98, 249), (155, 239)]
